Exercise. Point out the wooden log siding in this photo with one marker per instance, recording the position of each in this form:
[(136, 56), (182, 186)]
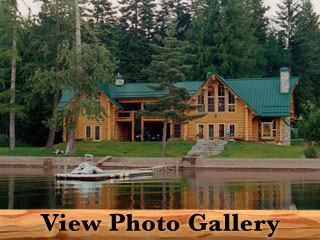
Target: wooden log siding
[(111, 129), (22, 224)]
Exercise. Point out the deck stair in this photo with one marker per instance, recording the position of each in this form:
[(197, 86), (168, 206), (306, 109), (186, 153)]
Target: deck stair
[(207, 148)]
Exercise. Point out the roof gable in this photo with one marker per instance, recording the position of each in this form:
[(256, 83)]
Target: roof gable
[(262, 95)]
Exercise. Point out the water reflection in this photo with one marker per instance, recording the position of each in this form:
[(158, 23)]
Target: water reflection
[(189, 189)]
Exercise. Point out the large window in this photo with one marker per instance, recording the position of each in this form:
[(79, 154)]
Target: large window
[(267, 128), (97, 133), (201, 102), (200, 131), (211, 131), (88, 132), (177, 130), (232, 130), (221, 98), (231, 102), (211, 99), (98, 99), (221, 130)]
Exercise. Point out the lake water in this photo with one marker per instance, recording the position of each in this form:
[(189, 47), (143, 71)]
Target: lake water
[(23, 188)]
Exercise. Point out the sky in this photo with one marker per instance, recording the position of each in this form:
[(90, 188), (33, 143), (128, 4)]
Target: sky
[(272, 3)]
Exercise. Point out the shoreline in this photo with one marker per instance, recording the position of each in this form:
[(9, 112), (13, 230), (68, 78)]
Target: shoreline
[(276, 164)]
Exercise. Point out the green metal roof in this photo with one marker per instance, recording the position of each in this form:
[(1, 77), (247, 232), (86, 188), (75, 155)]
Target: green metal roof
[(262, 95), (67, 96), (130, 90), (142, 90)]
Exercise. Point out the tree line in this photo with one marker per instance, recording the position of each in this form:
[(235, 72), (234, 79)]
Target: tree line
[(77, 42)]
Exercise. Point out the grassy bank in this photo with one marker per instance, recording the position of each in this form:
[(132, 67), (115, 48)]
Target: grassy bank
[(262, 150), (174, 149), (116, 149)]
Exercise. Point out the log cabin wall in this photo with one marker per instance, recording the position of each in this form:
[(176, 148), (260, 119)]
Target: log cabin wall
[(106, 126), (238, 118), (246, 122)]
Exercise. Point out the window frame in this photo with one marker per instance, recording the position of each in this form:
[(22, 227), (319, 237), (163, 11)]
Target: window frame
[(98, 99), (232, 104), (201, 109), (214, 134), (273, 128), (198, 132), (85, 132), (174, 130), (94, 137), (235, 130), (221, 98), (224, 130), (211, 98)]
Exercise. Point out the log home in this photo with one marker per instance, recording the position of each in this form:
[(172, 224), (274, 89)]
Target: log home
[(250, 109)]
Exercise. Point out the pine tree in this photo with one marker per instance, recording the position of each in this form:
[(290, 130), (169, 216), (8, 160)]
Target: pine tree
[(275, 53), (167, 68), (286, 18), (204, 34), (136, 30), (306, 55), (181, 10), (52, 28), (224, 40), (9, 56), (259, 20)]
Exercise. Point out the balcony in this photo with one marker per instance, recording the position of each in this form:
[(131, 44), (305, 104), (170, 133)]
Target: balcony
[(124, 116)]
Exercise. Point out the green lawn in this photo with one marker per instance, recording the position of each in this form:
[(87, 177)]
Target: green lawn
[(116, 149), (262, 150), (174, 149)]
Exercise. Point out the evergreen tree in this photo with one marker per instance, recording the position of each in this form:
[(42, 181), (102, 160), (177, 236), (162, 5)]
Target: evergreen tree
[(259, 20), (136, 29), (104, 22), (204, 34), (286, 18), (53, 27), (9, 27), (224, 40), (83, 66), (181, 10), (306, 55), (167, 68), (275, 53)]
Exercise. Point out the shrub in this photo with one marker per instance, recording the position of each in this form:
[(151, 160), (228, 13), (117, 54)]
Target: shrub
[(311, 152), (4, 140)]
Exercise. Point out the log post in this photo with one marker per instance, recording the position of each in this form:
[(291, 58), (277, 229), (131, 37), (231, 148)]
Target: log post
[(246, 124), (142, 123), (109, 120), (132, 131)]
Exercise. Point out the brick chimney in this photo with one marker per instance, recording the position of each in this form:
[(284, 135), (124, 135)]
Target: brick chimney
[(284, 80)]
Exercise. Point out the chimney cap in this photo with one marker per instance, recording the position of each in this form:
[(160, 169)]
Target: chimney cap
[(119, 76), (284, 69)]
